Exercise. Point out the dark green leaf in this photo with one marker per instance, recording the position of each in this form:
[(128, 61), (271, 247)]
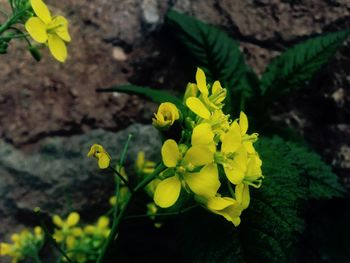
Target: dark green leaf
[(152, 94), (216, 53), (297, 65), (272, 225)]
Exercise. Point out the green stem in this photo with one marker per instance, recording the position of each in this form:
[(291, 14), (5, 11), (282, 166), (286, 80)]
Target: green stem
[(14, 36), (163, 214), (118, 219), (126, 182)]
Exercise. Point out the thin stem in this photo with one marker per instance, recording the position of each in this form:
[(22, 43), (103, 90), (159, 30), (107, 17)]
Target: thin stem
[(163, 214), (51, 239), (117, 189), (114, 229), (14, 36), (122, 212), (121, 178)]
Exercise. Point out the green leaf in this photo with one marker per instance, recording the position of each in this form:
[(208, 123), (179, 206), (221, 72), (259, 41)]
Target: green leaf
[(158, 96), (272, 225), (297, 65), (216, 53)]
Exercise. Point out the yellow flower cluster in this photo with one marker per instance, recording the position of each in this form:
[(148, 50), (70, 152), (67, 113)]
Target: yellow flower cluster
[(214, 143), (45, 29), (24, 244), (82, 244)]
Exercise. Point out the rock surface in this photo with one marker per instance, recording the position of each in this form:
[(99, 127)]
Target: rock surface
[(57, 176)]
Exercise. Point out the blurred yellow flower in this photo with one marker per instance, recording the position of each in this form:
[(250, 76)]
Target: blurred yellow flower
[(67, 230), (166, 115), (52, 31), (24, 244), (101, 155)]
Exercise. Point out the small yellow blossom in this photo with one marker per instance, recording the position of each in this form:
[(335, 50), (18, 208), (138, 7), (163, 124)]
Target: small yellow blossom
[(142, 165), (67, 232), (101, 228), (101, 155), (166, 115), (52, 31), (182, 169)]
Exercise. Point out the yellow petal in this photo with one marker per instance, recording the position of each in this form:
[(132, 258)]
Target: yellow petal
[(236, 169), (195, 105), (167, 192), (198, 155), (73, 219), (41, 10), (216, 87), (243, 122), (57, 47), (219, 203), (242, 195), (201, 81), (36, 29), (58, 236), (57, 220), (70, 242), (5, 249), (170, 153), (103, 160), (202, 135), (232, 139), (60, 25), (204, 183)]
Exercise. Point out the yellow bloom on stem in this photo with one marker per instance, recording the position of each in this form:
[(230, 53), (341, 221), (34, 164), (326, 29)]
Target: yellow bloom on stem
[(142, 165), (101, 155), (52, 31), (67, 231), (100, 229), (166, 115), (181, 169), (24, 244), (209, 100)]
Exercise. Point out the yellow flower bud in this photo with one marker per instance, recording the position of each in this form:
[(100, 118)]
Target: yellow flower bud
[(101, 155), (166, 115)]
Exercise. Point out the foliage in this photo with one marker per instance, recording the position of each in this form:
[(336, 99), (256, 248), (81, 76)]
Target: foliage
[(297, 65), (272, 225)]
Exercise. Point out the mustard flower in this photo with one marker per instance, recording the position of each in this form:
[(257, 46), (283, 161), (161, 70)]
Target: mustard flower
[(67, 230), (24, 244), (142, 165), (101, 229), (101, 155), (166, 115), (209, 100), (52, 31), (182, 169)]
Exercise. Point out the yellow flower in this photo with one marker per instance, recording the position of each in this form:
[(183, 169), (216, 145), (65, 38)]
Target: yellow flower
[(166, 115), (181, 168), (47, 29), (248, 140), (67, 231), (209, 100), (123, 191), (101, 155), (227, 207), (24, 244), (99, 230), (144, 166)]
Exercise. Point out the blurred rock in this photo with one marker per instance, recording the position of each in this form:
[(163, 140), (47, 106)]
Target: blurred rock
[(57, 175)]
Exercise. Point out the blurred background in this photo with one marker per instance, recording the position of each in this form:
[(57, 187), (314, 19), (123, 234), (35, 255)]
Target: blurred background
[(50, 113)]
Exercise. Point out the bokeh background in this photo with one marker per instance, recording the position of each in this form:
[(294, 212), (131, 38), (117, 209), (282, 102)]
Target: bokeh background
[(50, 113)]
